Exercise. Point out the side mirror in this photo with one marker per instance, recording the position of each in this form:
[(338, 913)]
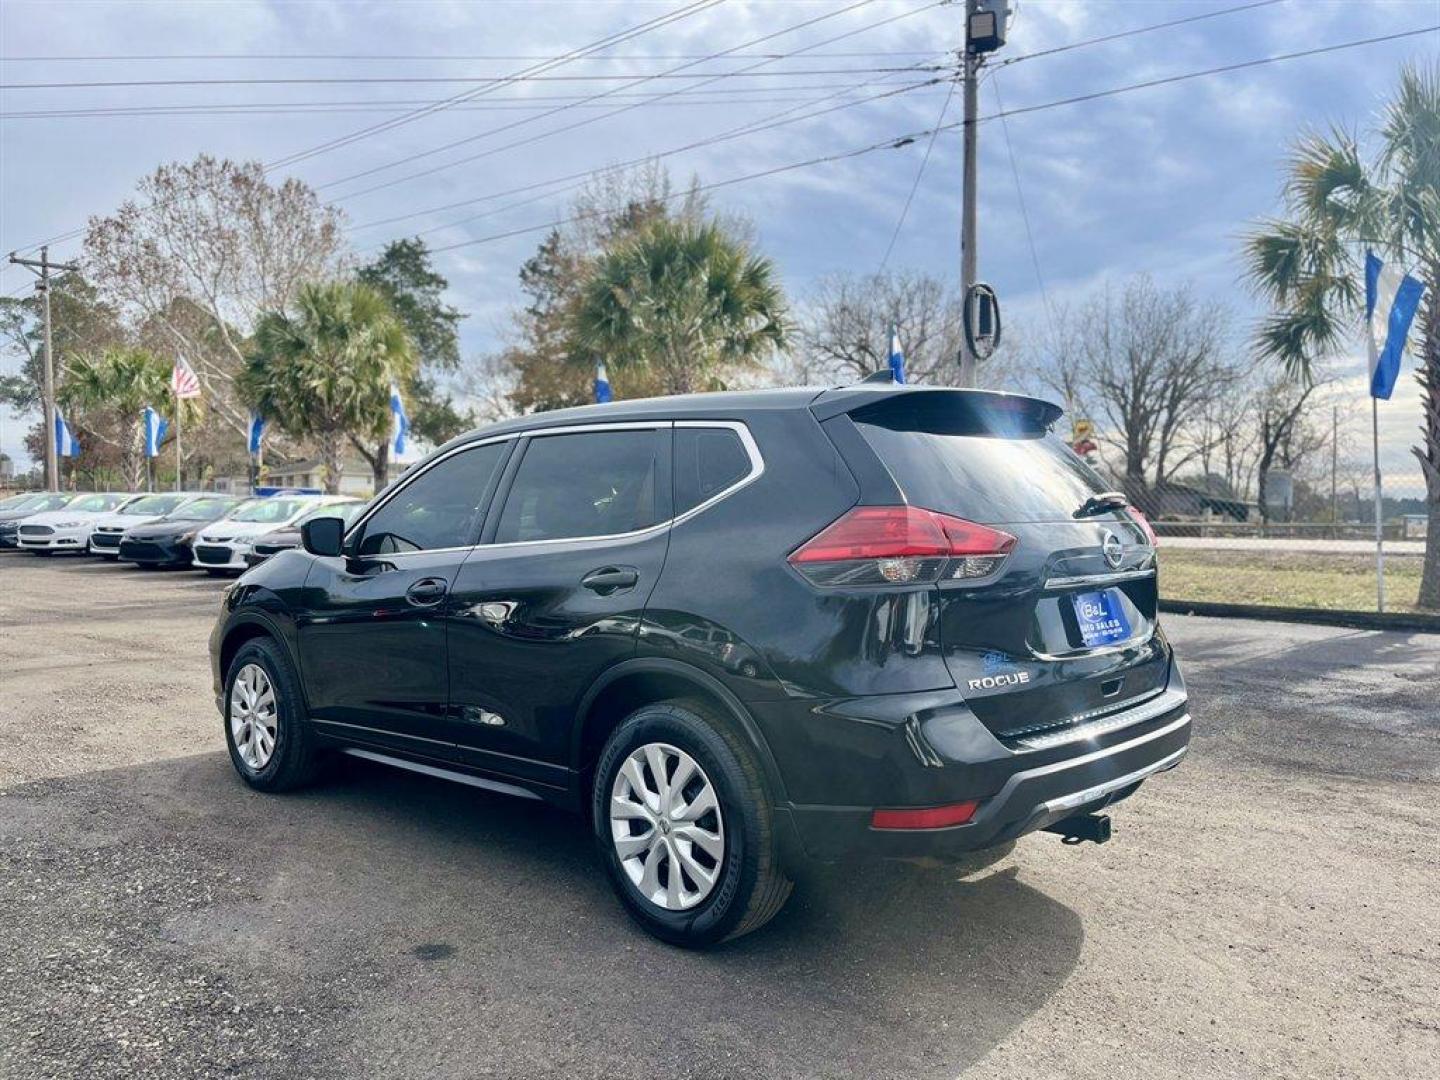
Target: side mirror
[(323, 536)]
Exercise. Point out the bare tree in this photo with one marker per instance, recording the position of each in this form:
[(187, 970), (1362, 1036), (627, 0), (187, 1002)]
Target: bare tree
[(202, 250), (1287, 435), (1144, 366), (845, 327)]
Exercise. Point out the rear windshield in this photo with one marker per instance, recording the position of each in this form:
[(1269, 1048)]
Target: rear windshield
[(990, 461)]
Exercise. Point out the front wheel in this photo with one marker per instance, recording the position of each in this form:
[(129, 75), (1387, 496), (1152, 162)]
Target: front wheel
[(685, 827), (265, 731)]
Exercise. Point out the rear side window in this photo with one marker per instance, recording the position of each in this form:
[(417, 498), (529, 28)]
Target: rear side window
[(985, 462), (440, 508), (707, 461), (585, 484)]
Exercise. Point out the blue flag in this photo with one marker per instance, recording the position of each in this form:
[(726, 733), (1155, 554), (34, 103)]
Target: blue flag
[(401, 425), (155, 427), (1391, 300), (66, 445), (602, 385), (257, 432), (897, 358)]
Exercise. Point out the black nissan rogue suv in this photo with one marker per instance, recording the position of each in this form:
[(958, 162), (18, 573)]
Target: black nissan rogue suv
[(734, 630)]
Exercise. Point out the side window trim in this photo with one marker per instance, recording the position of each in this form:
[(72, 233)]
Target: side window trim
[(503, 479), (752, 450)]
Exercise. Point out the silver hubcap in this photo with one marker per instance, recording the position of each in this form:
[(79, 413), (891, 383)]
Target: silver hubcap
[(253, 716), (666, 824)]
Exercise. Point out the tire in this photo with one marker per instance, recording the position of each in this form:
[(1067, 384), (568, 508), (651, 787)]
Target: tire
[(748, 884), (291, 760)]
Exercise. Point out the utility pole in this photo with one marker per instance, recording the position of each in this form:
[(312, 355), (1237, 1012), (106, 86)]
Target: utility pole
[(971, 90), (985, 25), (42, 267)]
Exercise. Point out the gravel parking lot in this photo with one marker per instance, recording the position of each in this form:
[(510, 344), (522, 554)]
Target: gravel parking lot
[(1266, 910)]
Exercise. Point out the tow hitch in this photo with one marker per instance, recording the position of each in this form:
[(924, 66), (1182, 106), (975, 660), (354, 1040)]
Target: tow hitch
[(1082, 827)]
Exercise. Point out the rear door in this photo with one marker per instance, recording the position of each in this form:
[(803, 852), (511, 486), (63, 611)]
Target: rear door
[(555, 593), (373, 640), (1067, 624)]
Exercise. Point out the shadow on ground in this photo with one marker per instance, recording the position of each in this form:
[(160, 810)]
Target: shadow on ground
[(176, 923)]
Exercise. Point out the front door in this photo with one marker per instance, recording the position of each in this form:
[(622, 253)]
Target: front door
[(555, 594), (372, 637)]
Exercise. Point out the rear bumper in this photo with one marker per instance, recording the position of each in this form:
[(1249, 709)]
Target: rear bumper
[(941, 754), (1031, 799)]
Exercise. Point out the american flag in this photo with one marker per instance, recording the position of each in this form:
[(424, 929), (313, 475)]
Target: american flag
[(183, 380)]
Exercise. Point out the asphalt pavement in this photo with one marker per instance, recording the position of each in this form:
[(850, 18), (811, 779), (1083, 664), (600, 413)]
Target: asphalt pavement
[(1267, 909)]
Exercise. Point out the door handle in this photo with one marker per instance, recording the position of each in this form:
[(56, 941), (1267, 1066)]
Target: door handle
[(427, 592), (611, 579)]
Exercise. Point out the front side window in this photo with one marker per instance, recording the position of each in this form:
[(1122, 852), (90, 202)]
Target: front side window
[(440, 508), (598, 483)]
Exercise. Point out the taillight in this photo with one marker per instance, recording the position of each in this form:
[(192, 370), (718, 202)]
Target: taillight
[(931, 817), (1144, 523), (900, 545)]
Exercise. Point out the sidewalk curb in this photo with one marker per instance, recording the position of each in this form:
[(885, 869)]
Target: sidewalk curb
[(1357, 620)]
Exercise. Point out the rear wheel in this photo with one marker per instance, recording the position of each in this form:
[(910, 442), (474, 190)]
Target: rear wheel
[(268, 738), (685, 827)]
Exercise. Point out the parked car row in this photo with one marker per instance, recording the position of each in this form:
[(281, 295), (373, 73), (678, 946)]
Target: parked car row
[(221, 534)]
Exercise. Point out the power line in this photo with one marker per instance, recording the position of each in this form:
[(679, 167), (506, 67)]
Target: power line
[(906, 140), (181, 112), (448, 58), (484, 79), (648, 26), (1024, 211), (753, 127), (1138, 30), (576, 180), (610, 40), (920, 172), (624, 108)]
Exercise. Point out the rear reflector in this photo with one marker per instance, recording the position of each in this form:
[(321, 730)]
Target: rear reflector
[(932, 817), (1144, 523), (879, 545)]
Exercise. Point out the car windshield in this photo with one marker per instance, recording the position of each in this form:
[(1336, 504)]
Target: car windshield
[(344, 511), (91, 504), (154, 505), (203, 509), (49, 502), (18, 502), (272, 511)]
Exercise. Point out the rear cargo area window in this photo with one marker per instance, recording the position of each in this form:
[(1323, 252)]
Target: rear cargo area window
[(985, 458), (707, 461)]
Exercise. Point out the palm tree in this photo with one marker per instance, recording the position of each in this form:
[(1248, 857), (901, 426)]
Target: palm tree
[(683, 301), (1309, 262), (112, 387), (323, 370)]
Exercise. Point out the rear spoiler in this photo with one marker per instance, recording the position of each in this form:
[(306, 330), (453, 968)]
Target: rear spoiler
[(847, 399)]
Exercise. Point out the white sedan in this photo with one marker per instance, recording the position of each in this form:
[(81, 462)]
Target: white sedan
[(221, 546), (68, 529), (107, 530)]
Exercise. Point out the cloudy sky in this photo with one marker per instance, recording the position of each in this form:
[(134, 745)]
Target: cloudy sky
[(1161, 179)]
